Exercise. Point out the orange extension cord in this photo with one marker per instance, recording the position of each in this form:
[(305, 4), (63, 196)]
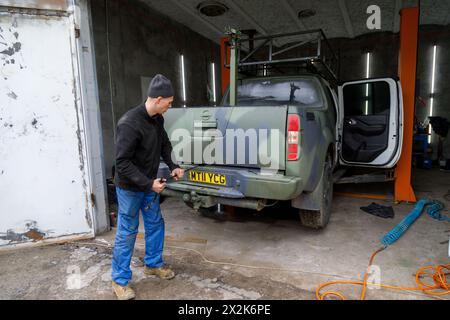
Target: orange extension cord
[(437, 273)]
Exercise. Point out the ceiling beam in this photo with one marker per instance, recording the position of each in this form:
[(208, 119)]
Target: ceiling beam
[(199, 18), (346, 17), (398, 7)]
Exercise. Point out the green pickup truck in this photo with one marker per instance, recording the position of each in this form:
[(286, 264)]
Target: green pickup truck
[(282, 141)]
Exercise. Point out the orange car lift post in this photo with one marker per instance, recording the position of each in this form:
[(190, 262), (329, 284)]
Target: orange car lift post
[(407, 67), (409, 31)]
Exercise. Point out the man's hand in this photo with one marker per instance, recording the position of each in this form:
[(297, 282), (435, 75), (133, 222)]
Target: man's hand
[(158, 186), (177, 173)]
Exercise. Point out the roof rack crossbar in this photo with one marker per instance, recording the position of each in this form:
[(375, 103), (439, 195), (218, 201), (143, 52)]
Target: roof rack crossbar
[(325, 64)]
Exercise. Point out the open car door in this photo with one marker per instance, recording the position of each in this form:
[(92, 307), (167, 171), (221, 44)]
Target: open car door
[(371, 122)]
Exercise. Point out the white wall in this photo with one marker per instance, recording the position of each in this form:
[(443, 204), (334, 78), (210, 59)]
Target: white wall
[(45, 170)]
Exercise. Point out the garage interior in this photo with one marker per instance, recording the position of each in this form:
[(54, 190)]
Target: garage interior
[(241, 253)]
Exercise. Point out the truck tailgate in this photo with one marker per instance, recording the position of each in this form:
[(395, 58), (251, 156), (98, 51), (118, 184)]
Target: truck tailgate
[(252, 137)]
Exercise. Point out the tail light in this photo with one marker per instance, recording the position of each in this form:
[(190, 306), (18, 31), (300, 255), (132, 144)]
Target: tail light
[(293, 136)]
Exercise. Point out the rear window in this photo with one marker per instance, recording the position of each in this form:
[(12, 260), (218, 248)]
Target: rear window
[(276, 92)]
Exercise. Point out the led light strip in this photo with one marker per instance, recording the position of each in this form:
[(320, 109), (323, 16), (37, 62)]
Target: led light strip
[(433, 79), (367, 86), (183, 81), (213, 67)]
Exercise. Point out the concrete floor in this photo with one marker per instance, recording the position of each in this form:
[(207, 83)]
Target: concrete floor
[(245, 255)]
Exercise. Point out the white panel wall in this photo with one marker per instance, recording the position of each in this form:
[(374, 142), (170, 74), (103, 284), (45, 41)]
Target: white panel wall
[(44, 183)]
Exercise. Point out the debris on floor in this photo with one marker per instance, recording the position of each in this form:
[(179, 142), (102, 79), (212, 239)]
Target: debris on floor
[(379, 210)]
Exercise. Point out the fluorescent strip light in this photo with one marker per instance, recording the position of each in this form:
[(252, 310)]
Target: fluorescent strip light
[(213, 67), (368, 65), (183, 80), (431, 106), (433, 82), (367, 86), (434, 69), (431, 114)]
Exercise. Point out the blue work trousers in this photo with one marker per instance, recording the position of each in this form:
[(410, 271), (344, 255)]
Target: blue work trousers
[(130, 203)]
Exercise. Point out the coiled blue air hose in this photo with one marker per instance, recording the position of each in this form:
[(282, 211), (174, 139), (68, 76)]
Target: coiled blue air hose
[(434, 211)]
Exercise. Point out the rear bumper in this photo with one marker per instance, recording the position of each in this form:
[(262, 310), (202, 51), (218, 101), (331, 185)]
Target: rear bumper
[(241, 183)]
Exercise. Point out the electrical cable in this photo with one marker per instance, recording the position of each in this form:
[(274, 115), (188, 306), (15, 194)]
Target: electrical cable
[(205, 259), (111, 94), (439, 273)]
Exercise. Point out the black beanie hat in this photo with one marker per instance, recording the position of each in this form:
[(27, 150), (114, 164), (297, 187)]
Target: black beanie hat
[(160, 86)]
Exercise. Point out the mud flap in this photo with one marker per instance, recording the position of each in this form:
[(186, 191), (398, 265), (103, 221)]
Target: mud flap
[(310, 200)]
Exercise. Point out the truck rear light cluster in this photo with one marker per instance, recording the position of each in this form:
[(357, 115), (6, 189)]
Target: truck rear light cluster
[(293, 135)]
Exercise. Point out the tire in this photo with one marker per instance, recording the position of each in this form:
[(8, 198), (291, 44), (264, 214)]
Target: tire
[(320, 218)]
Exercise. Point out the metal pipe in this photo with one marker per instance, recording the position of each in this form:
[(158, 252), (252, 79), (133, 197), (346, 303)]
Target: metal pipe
[(291, 47), (254, 204), (270, 49), (281, 35), (254, 50), (277, 61)]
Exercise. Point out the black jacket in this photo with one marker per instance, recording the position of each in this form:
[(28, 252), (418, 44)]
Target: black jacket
[(141, 141)]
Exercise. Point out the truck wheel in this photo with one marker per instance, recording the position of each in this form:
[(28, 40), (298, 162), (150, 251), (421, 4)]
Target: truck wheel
[(319, 219)]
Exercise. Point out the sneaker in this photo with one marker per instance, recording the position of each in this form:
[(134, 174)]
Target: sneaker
[(162, 272), (123, 292)]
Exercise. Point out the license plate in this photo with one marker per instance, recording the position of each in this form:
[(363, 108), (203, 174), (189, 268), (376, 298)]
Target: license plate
[(207, 177)]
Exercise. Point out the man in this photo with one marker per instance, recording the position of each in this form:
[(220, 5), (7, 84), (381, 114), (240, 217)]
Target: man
[(141, 141)]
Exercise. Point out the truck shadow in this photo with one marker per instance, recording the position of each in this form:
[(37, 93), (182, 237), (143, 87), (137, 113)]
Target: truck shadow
[(272, 214)]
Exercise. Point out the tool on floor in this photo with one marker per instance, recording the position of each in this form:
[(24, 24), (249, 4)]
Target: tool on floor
[(438, 274), (379, 210)]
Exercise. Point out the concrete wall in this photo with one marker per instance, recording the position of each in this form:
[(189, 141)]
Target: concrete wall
[(383, 46), (430, 36), (143, 43)]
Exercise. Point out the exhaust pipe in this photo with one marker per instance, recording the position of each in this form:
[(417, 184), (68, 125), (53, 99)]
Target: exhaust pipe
[(253, 204), (209, 201)]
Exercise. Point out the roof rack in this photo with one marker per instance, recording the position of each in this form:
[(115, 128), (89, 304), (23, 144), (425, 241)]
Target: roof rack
[(309, 49)]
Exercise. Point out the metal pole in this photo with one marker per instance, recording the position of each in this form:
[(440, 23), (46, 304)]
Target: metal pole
[(234, 60)]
